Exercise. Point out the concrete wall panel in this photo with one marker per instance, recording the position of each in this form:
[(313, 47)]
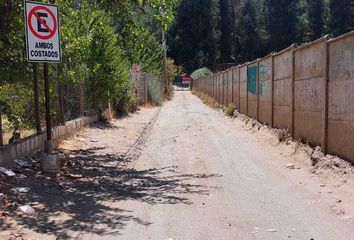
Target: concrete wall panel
[(27, 145), (221, 88), (282, 90), (229, 86), (265, 90), (341, 97), (236, 74), (309, 92), (298, 92), (225, 88), (243, 89), (252, 88)]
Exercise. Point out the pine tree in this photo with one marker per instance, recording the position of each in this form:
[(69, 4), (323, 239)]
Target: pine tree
[(246, 36), (226, 27), (315, 18), (281, 23), (342, 16), (195, 36)]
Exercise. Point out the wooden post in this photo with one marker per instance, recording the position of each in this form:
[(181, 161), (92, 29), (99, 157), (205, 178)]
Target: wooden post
[(325, 95), (36, 98), (272, 93)]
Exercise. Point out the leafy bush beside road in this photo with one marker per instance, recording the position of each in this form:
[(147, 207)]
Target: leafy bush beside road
[(101, 41)]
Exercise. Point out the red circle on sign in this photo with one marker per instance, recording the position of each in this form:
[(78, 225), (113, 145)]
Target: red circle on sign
[(34, 14)]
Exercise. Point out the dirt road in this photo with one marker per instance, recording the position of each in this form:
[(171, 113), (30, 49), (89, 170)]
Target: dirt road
[(185, 171)]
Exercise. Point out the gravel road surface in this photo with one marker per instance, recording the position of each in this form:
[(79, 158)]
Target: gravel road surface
[(186, 171)]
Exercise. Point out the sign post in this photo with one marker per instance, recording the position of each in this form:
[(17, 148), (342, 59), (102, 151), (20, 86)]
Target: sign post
[(43, 46)]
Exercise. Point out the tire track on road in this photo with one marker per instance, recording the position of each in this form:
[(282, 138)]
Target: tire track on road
[(134, 151)]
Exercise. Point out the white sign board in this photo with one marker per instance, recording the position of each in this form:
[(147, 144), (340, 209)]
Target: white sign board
[(42, 32)]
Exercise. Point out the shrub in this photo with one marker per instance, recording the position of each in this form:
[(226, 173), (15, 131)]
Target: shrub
[(229, 111), (202, 72)]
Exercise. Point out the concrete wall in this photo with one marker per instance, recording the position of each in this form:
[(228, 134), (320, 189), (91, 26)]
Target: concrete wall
[(218, 88), (229, 86), (283, 65), (29, 145), (222, 89), (252, 88), (341, 97), (308, 90), (265, 90), (236, 90), (225, 88), (243, 89)]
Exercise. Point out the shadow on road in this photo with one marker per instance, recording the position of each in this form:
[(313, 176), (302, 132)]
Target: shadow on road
[(88, 186)]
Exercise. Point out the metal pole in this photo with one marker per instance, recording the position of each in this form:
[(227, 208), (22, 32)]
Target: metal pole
[(36, 98), (165, 78), (47, 106)]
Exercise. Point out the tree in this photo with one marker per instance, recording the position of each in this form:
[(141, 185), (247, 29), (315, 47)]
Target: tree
[(195, 35), (246, 36), (281, 23), (315, 18), (342, 16), (101, 41), (226, 27)]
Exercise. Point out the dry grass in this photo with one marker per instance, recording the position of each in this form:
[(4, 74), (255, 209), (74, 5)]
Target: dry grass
[(24, 133), (211, 102)]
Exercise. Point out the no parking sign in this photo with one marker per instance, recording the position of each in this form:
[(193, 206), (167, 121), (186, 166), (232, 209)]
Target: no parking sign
[(42, 32)]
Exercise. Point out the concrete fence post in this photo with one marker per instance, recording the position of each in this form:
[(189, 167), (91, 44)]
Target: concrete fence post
[(233, 85), (292, 131), (247, 89), (257, 90), (272, 93), (212, 86), (325, 95), (227, 88), (239, 90), (223, 88)]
